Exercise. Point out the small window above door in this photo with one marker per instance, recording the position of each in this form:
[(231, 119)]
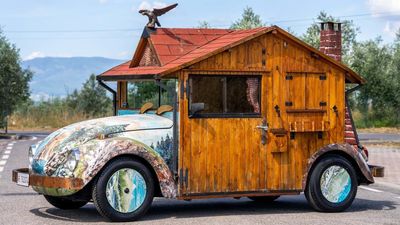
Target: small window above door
[(219, 96)]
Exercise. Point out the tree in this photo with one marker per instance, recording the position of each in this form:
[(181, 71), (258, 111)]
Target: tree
[(92, 99), (377, 98), (204, 25), (14, 81), (249, 20), (349, 33)]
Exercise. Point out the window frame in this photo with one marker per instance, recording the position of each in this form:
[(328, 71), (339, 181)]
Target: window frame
[(224, 98)]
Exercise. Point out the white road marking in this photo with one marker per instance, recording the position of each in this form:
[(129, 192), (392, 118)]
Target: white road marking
[(10, 144), (9, 148), (370, 189), (7, 152), (3, 162), (5, 157), (34, 138), (1, 169), (398, 197)]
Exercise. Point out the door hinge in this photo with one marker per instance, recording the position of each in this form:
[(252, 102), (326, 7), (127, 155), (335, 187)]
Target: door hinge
[(322, 103), (322, 77), (183, 177)]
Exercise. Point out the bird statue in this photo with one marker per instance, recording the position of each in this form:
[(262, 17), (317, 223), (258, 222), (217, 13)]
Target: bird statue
[(153, 14)]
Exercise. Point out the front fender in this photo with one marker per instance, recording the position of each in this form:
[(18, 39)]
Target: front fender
[(94, 155), (344, 148), (113, 147)]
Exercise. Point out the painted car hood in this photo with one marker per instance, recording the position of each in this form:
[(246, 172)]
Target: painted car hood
[(66, 139)]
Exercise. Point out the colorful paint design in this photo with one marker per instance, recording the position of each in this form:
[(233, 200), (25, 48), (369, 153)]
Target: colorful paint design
[(335, 184), (126, 190), (80, 150)]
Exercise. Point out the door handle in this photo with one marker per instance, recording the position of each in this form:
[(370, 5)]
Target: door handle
[(263, 127)]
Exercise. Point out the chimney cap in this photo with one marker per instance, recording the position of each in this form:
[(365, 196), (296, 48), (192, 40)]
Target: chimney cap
[(331, 25)]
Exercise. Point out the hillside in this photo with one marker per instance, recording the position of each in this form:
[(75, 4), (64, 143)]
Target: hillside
[(57, 76)]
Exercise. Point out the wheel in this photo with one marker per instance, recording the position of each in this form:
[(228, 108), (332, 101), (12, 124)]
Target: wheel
[(64, 203), (264, 198), (332, 186), (124, 190)]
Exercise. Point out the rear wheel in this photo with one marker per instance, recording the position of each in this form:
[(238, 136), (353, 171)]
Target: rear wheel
[(124, 190), (64, 203), (332, 186), (265, 199)]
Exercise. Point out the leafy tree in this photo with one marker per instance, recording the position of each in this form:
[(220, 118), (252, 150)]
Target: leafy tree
[(374, 61), (349, 33), (249, 20), (92, 99), (14, 81)]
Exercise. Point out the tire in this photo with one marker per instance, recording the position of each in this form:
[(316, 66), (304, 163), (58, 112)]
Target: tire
[(332, 186), (122, 201), (64, 203), (264, 199)]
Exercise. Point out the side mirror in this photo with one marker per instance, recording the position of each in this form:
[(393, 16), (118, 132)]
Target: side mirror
[(196, 107)]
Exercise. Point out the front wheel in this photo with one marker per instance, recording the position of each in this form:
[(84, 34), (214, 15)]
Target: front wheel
[(124, 190), (332, 186), (64, 203)]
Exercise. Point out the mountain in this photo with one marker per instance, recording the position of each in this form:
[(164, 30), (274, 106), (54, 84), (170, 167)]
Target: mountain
[(58, 76)]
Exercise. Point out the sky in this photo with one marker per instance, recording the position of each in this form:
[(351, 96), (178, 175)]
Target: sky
[(112, 28)]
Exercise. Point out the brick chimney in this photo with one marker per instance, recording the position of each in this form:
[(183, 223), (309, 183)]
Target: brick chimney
[(331, 45), (331, 40)]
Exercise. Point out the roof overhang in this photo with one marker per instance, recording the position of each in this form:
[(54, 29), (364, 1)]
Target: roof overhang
[(216, 46)]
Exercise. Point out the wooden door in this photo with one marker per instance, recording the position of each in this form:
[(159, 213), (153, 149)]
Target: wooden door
[(222, 149)]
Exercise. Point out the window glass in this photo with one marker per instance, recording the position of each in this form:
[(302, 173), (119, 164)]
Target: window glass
[(226, 95), (141, 92), (208, 90)]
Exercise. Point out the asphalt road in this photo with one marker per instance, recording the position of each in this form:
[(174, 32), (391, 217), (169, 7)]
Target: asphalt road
[(375, 204)]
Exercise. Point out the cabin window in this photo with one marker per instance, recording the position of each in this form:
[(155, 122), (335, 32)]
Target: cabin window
[(225, 96), (141, 92)]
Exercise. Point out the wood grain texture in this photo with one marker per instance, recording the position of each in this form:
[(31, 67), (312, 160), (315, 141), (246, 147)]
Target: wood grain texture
[(225, 155)]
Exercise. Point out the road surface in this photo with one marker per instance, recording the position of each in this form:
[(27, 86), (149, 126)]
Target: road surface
[(375, 204)]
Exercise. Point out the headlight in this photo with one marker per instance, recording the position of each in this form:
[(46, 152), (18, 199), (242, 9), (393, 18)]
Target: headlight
[(72, 160), (31, 153)]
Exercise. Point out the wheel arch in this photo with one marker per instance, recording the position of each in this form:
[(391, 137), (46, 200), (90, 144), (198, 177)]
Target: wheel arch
[(118, 148), (348, 152)]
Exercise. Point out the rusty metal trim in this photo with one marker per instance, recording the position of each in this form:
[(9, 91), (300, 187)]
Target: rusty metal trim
[(377, 171), (237, 194), (346, 148), (50, 182)]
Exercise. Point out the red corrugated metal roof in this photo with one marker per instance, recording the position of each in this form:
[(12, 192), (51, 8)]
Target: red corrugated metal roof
[(177, 47)]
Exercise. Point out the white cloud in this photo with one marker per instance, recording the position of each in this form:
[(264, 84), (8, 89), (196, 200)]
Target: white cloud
[(391, 27), (387, 11), (150, 5), (36, 54), (384, 6)]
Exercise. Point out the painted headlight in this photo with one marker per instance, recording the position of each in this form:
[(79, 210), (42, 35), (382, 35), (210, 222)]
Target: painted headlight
[(72, 160), (31, 153)]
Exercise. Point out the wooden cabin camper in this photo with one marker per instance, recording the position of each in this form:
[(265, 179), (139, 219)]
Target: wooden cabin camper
[(256, 108), (207, 113)]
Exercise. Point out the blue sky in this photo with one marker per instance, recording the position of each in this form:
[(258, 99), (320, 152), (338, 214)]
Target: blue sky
[(111, 28)]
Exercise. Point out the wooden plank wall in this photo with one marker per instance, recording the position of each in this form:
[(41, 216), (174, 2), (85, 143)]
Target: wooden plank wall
[(220, 161)]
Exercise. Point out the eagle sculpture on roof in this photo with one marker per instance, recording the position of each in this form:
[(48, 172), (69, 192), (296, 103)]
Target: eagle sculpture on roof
[(153, 14)]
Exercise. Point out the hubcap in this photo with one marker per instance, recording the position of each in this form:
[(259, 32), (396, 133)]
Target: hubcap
[(126, 190), (335, 184)]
